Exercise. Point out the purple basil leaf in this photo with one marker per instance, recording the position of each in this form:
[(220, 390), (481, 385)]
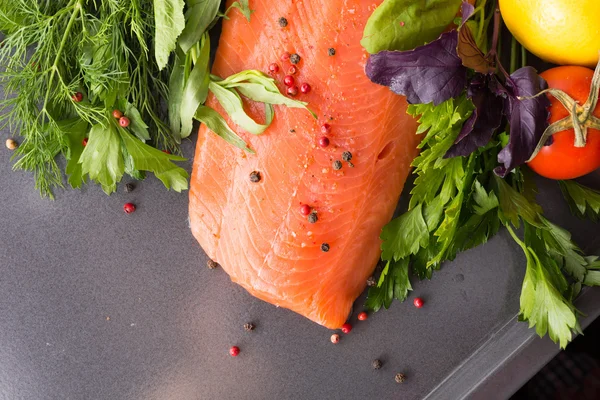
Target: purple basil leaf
[(467, 12), (478, 130), (528, 118), (430, 73)]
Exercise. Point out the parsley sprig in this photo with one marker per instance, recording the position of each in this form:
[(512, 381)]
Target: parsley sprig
[(459, 203), (54, 49)]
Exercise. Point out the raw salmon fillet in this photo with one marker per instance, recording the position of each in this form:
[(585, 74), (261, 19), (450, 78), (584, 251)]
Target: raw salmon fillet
[(256, 231)]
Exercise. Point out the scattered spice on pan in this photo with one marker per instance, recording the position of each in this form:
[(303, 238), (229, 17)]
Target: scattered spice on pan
[(211, 264), (117, 114), (234, 351), (11, 144), (376, 364), (295, 58), (323, 141), (350, 164), (335, 338), (337, 165), (400, 378), (84, 142), (312, 217), (325, 247), (331, 51), (283, 22), (249, 327), (129, 187), (129, 208), (292, 70), (363, 316), (325, 128), (292, 130), (255, 177), (346, 328), (346, 156), (285, 56), (371, 282), (418, 302)]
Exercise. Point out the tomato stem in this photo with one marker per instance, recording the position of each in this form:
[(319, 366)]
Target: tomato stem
[(580, 118)]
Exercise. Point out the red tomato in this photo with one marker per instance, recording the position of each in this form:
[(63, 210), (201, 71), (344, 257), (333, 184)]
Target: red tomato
[(561, 159)]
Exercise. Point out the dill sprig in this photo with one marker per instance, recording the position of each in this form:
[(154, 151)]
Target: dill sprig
[(55, 48)]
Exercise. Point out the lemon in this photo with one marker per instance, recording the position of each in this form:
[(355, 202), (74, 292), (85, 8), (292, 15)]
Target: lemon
[(558, 31)]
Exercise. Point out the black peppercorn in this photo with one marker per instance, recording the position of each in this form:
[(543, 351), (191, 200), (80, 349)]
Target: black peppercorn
[(325, 247), (249, 327), (337, 165), (283, 22), (371, 282), (295, 58), (376, 364), (400, 378), (346, 156), (331, 51), (312, 217), (212, 264), (130, 187), (255, 177)]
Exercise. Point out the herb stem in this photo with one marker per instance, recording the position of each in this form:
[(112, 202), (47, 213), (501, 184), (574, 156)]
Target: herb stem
[(513, 54), (482, 23), (496, 34), (78, 6), (523, 56), (519, 242)]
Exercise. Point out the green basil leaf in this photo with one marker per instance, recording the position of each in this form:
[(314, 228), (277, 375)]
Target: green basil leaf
[(196, 88), (102, 158), (406, 24), (199, 16), (169, 23), (216, 123), (234, 107), (147, 158)]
